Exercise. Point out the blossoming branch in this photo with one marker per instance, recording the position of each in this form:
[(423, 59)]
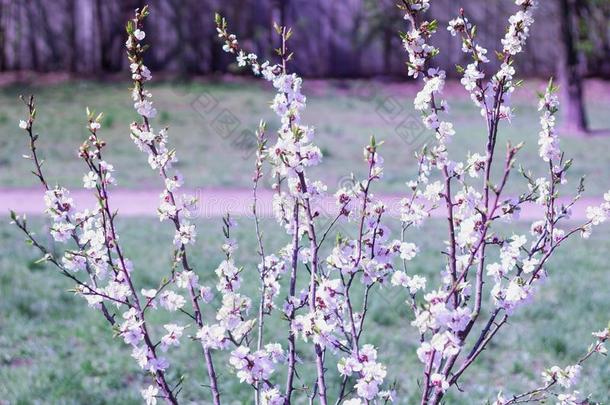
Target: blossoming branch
[(323, 302)]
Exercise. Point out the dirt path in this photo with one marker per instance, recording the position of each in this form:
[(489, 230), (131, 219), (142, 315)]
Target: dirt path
[(215, 202)]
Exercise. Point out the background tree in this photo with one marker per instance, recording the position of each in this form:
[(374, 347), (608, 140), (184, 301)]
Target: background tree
[(595, 24), (569, 68), (351, 38)]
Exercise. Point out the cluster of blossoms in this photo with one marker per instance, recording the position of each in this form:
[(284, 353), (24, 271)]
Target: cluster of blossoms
[(331, 321), (549, 144), (327, 299), (565, 378), (139, 72), (258, 366), (95, 249), (473, 74), (60, 208), (445, 320), (370, 373), (414, 41), (519, 27), (271, 269), (486, 94)]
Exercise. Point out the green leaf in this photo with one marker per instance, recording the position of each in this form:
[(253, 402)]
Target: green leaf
[(277, 28), (43, 259)]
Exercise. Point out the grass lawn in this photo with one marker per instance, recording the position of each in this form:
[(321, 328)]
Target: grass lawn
[(207, 122), (54, 350)]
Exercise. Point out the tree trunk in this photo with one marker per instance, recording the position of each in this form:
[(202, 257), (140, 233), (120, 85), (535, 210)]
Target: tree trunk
[(2, 39), (87, 34), (568, 70), (387, 51)]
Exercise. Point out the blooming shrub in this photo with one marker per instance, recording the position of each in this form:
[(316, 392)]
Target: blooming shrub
[(323, 301)]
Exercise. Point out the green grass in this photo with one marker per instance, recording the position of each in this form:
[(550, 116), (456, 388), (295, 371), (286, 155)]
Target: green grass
[(209, 156), (54, 350)]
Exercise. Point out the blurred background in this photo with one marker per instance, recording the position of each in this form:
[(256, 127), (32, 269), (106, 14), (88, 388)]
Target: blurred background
[(70, 54), (339, 39)]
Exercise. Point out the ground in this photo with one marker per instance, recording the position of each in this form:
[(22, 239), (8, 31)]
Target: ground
[(206, 123), (54, 350)]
